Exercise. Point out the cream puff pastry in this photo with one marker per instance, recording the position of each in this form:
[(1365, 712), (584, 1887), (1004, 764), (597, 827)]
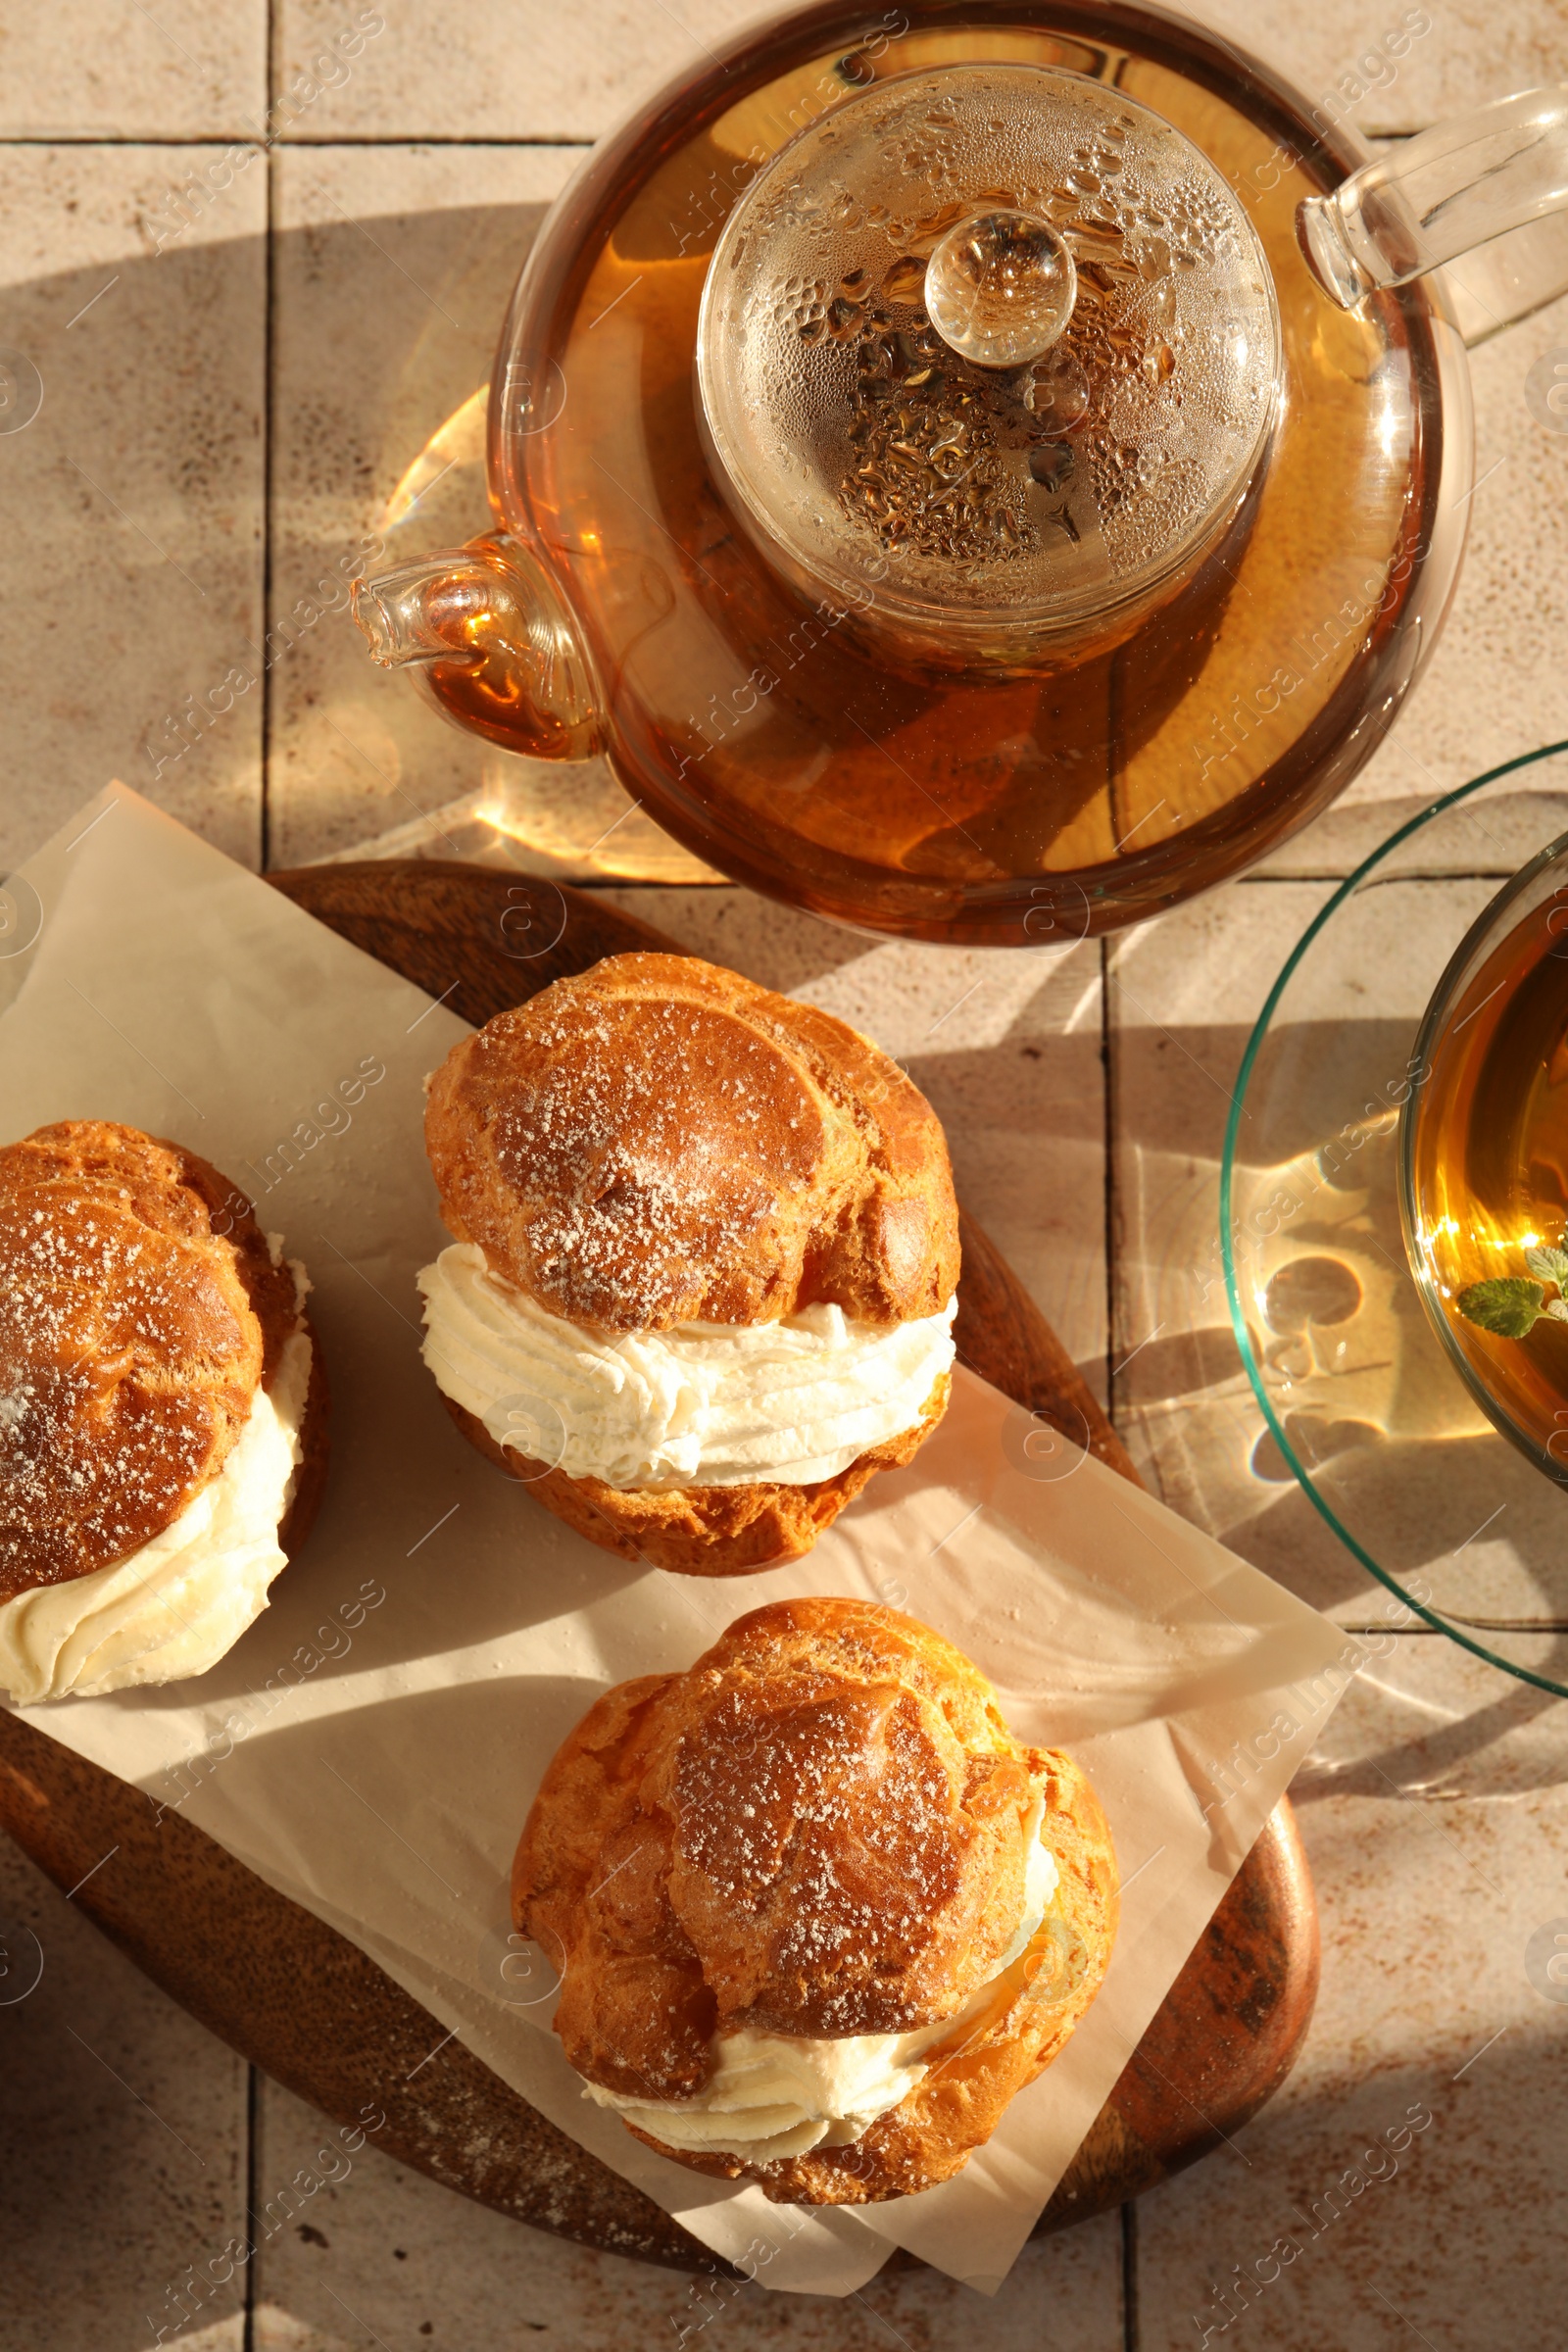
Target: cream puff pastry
[(705, 1246), (163, 1412), (819, 1914)]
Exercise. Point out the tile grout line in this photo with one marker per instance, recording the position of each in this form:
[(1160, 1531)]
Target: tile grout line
[(269, 411), (370, 139), (1129, 2278), (253, 2087), (1108, 1145), (253, 2122), (1446, 873), (245, 138), (1130, 2337)]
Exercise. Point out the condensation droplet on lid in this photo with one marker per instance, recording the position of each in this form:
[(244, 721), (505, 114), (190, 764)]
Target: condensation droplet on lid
[(906, 280), (1051, 464), (1057, 391)]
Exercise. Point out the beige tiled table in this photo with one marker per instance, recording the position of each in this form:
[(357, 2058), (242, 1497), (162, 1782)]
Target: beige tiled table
[(225, 411)]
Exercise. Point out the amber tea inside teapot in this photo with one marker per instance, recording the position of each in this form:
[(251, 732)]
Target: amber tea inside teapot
[(985, 473)]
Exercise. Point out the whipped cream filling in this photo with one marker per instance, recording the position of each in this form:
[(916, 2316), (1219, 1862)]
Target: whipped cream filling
[(775, 2095), (703, 1404), (175, 1604)]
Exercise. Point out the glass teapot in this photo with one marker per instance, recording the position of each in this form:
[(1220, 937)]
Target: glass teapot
[(987, 472)]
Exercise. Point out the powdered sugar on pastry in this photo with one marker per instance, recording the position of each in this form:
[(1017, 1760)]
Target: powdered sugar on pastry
[(175, 1604), (658, 1141), (775, 2095), (139, 1308), (785, 1892)]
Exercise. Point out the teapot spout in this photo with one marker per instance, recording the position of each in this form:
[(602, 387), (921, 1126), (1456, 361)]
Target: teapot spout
[(491, 642)]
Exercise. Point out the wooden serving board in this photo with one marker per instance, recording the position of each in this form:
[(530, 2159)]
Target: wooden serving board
[(314, 2012)]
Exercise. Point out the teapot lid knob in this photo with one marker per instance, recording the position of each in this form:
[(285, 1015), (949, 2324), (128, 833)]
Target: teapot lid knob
[(1000, 288)]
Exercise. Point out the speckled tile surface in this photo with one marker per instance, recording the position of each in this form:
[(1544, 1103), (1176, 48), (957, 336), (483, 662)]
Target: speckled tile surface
[(182, 70), (1392, 69), (1433, 1811), (533, 73), (541, 72), (200, 385), (1435, 1827), (132, 559), (123, 2142), (383, 2256)]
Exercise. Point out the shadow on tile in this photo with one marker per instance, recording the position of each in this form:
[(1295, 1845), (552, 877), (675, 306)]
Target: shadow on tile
[(136, 526), (1404, 2204), (122, 2133)]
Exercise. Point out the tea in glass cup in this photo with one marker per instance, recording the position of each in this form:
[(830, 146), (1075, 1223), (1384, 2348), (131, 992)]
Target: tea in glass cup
[(1484, 1160)]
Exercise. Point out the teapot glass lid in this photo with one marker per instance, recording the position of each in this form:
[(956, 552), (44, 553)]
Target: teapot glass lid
[(988, 343)]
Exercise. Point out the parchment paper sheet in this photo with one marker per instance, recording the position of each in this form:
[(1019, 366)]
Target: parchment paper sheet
[(374, 1757)]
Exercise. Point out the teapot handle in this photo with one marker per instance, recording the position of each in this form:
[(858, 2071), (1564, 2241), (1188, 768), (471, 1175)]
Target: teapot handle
[(492, 642), (1487, 191)]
